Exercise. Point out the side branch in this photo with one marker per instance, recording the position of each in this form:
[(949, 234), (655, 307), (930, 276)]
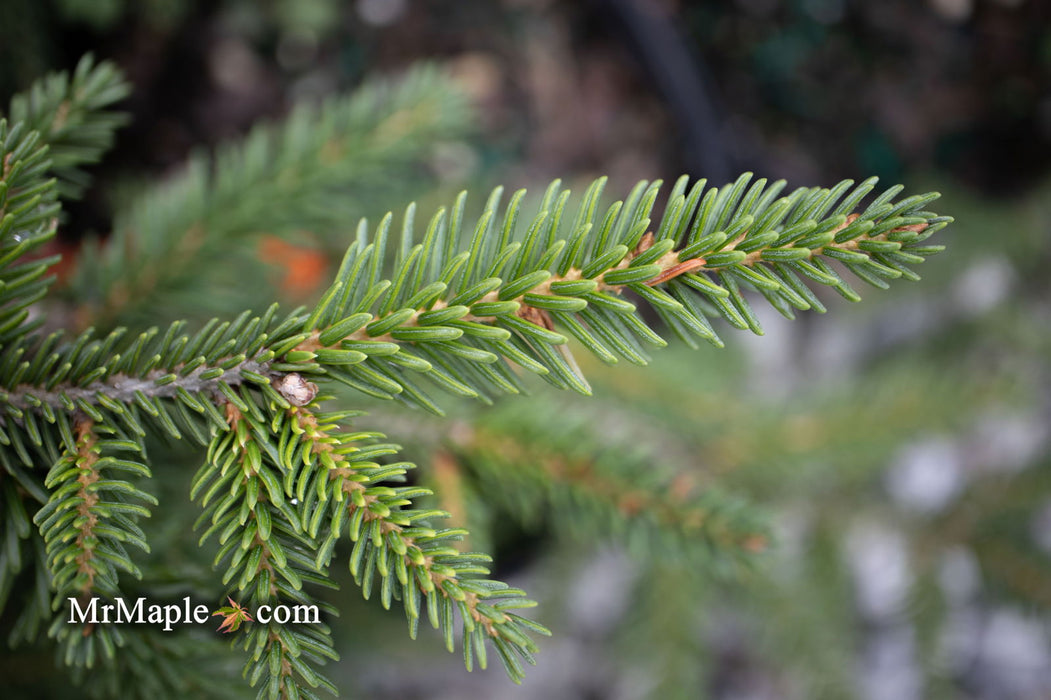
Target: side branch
[(89, 474), (393, 542), (533, 302), (158, 383)]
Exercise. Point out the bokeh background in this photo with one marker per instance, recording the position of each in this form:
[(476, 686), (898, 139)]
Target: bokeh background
[(900, 446)]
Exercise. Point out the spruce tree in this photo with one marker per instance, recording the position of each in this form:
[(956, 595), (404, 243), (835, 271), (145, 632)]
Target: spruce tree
[(291, 481)]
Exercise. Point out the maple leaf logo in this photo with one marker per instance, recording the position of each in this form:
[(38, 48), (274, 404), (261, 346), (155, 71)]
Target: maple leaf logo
[(233, 615)]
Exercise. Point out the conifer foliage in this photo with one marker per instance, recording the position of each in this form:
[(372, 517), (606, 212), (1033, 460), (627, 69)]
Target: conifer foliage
[(420, 306)]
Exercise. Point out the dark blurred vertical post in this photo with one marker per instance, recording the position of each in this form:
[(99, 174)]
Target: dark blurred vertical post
[(679, 75)]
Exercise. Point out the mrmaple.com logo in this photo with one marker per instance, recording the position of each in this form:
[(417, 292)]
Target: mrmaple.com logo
[(168, 615)]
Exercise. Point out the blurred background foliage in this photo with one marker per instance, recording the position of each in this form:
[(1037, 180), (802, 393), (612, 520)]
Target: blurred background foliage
[(898, 447)]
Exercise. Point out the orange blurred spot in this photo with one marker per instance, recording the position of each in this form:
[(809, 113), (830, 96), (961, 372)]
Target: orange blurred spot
[(64, 267), (303, 269), (755, 543)]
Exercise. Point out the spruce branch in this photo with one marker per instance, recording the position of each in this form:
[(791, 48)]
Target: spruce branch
[(17, 524), (153, 664), (28, 217), (456, 319), (544, 467), (56, 127), (85, 524), (69, 113), (279, 513), (318, 168), (264, 550), (463, 308), (413, 560), (517, 293)]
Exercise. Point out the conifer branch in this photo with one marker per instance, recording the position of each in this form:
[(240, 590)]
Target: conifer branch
[(17, 525), (98, 513), (466, 308), (264, 551), (412, 559), (58, 126), (28, 217), (520, 297), (86, 497), (549, 469), (69, 113), (311, 173), (152, 665)]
